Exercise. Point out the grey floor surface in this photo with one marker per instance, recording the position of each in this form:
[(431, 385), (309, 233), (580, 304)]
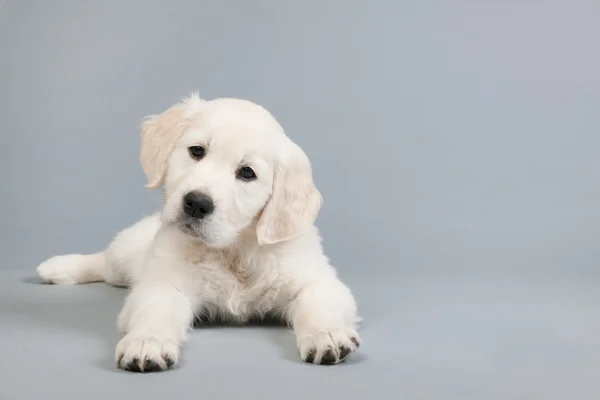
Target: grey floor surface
[(426, 336)]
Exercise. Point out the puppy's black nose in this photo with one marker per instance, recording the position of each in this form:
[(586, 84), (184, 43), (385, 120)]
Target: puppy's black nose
[(197, 205)]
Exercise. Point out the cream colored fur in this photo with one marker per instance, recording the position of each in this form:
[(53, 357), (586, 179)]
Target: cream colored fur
[(258, 253)]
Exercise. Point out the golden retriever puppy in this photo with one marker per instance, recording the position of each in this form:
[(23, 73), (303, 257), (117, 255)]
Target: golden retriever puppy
[(235, 239)]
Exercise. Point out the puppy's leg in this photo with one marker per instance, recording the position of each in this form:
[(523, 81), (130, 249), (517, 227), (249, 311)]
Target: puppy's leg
[(323, 316), (155, 320), (73, 269), (118, 265)]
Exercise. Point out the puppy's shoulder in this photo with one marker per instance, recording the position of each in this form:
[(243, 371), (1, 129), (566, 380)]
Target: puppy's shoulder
[(303, 254)]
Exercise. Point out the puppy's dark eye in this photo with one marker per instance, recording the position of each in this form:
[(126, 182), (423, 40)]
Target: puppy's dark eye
[(196, 152), (246, 174)]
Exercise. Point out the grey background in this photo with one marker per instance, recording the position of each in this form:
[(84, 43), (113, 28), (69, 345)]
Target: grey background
[(455, 142)]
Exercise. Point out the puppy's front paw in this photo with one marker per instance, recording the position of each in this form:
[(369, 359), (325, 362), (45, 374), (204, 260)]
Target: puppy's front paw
[(328, 347), (145, 353)]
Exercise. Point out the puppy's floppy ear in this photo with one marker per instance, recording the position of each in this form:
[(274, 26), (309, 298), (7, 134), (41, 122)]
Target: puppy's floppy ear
[(159, 135), (161, 132), (294, 203)]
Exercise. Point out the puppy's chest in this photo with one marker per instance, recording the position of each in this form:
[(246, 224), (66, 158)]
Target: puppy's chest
[(229, 279)]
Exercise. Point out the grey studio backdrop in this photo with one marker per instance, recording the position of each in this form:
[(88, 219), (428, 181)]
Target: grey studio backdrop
[(455, 143)]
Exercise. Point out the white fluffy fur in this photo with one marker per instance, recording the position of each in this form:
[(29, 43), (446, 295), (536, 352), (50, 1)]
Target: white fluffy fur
[(257, 253)]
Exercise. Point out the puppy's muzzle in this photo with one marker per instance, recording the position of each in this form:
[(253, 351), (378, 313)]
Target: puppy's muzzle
[(198, 205)]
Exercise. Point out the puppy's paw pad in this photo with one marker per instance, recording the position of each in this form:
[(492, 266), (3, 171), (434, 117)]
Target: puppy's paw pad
[(146, 354), (61, 270), (328, 347)]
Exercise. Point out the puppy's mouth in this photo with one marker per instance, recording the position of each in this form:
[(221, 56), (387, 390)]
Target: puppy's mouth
[(196, 230), (190, 228)]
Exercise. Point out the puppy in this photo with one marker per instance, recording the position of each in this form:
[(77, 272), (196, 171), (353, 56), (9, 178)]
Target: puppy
[(235, 239)]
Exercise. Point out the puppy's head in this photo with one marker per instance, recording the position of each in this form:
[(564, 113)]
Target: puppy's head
[(227, 167)]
